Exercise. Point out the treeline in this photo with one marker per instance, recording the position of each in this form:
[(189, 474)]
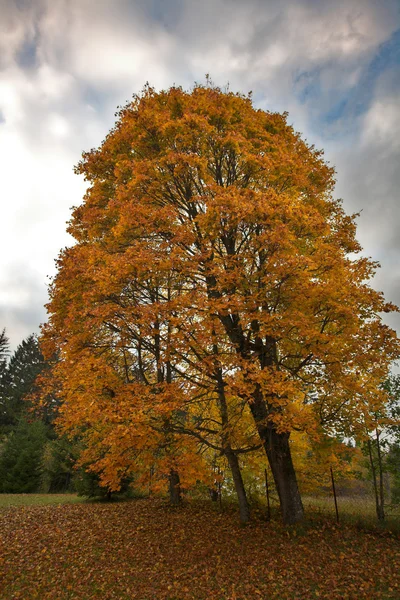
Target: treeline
[(34, 458)]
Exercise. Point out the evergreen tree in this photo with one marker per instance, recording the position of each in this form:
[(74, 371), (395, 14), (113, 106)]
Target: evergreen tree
[(3, 351), (57, 465), (3, 365), (20, 460), (87, 483), (23, 435), (18, 380)]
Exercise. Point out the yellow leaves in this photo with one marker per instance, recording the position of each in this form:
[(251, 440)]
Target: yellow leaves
[(313, 455), (209, 243)]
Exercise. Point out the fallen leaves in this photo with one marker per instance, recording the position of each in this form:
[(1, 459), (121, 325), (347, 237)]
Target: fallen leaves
[(143, 550)]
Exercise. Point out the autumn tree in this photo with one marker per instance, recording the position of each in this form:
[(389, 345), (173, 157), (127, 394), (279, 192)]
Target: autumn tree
[(212, 262)]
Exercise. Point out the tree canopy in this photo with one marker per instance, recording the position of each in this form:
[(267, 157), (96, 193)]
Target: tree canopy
[(215, 298)]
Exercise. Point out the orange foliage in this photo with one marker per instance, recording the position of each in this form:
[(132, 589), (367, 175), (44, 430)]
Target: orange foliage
[(211, 266)]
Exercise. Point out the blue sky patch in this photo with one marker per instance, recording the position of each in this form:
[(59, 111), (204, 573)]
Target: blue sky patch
[(26, 56)]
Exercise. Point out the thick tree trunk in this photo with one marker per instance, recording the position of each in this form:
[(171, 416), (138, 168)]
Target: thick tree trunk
[(277, 448), (244, 509), (280, 459), (174, 488), (276, 444)]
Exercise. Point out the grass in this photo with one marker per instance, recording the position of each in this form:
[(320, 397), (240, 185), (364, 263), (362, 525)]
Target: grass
[(357, 511), (144, 550), (8, 500)]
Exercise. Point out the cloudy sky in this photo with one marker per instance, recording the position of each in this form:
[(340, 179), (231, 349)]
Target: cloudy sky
[(65, 66)]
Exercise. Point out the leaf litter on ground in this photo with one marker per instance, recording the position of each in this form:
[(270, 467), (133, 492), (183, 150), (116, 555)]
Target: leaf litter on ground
[(145, 550)]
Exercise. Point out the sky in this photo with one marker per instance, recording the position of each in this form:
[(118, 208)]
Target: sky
[(65, 66)]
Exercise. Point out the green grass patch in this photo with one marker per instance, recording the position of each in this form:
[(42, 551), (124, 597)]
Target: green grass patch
[(360, 512), (8, 500)]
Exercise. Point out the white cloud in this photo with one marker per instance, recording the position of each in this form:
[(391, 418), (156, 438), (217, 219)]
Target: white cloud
[(381, 125), (58, 126), (102, 48), (16, 27)]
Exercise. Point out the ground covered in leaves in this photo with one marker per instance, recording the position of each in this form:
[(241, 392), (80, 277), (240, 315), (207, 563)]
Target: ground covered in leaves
[(145, 550)]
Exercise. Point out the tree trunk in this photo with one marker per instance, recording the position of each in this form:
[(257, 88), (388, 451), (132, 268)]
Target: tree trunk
[(230, 454), (267, 495), (373, 470), (381, 515), (219, 484), (244, 509), (174, 488), (214, 494), (334, 495), (276, 444), (280, 460), (277, 448)]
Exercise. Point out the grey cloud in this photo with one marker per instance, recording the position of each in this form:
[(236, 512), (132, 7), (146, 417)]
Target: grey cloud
[(24, 310), (66, 66), (369, 181), (26, 56)]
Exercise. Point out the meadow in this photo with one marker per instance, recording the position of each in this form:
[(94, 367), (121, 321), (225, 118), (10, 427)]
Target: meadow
[(8, 500), (354, 510), (60, 547)]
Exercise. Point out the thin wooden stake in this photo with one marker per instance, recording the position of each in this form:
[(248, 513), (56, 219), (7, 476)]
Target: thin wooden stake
[(150, 481), (334, 495), (267, 492), (219, 488)]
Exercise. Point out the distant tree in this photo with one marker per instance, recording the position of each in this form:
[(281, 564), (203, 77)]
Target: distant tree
[(57, 465), (20, 460), (3, 350), (18, 381), (392, 385), (393, 467), (382, 445), (3, 369), (23, 434), (88, 483)]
